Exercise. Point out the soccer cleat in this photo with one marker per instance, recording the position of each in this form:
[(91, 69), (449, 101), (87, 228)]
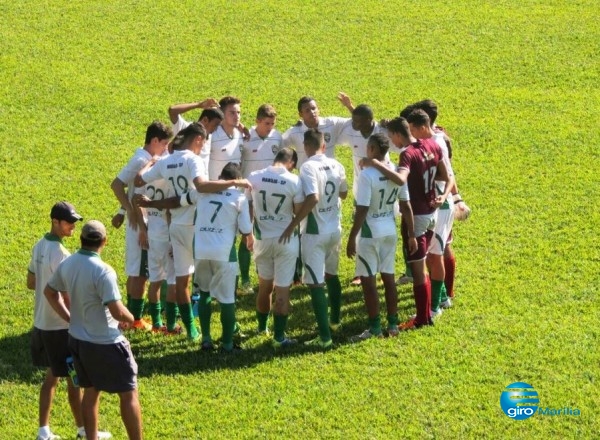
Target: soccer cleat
[(101, 435), (161, 329), (365, 335), (403, 279), (411, 324), (208, 346), (436, 313), (446, 304), (177, 330), (287, 342), (140, 324), (245, 289), (335, 327), (355, 281), (393, 331), (317, 342), (50, 436)]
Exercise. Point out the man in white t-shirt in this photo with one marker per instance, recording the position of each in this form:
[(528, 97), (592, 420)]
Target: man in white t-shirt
[(276, 194), (136, 236), (373, 239), (324, 185)]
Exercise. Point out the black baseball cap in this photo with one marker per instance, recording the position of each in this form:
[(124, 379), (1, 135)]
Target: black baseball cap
[(65, 211)]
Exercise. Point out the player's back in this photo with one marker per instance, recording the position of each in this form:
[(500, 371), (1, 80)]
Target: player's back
[(421, 158), (380, 194)]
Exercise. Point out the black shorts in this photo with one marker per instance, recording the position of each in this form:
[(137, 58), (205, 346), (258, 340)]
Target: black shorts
[(50, 349), (106, 367)]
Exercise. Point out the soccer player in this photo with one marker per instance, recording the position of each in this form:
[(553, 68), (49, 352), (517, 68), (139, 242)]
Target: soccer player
[(375, 247), (420, 165), (184, 171), (324, 184), (276, 194), (136, 236), (331, 127), (50, 337), (102, 355)]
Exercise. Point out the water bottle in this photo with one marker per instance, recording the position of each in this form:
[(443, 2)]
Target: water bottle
[(72, 372), (195, 303)]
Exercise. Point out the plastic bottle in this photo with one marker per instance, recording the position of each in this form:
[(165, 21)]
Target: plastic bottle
[(72, 372)]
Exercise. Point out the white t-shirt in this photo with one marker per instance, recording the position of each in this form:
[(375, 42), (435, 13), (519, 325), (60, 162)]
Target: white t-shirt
[(205, 152), (92, 285), (331, 128), (224, 149), (258, 153), (274, 192), (219, 217), (380, 194), (127, 174), (179, 171), (326, 177), (47, 254)]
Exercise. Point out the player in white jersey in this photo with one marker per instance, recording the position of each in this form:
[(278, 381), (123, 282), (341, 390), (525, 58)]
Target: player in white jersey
[(227, 140), (331, 127), (324, 184), (258, 153), (373, 239), (210, 118), (275, 196), (50, 337), (136, 236)]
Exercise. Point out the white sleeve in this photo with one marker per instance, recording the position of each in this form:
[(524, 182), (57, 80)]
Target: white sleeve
[(244, 222)]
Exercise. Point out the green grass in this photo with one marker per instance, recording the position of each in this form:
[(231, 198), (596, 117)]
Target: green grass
[(516, 83)]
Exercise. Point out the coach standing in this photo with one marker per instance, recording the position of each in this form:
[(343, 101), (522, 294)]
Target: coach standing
[(102, 355)]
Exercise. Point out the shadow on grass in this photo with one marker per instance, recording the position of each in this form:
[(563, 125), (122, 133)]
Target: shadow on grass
[(15, 360)]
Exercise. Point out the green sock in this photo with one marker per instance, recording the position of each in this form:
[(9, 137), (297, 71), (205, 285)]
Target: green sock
[(279, 325), (164, 287), (135, 307), (228, 323), (244, 258), (392, 321), (263, 319), (444, 295), (204, 313), (436, 293), (375, 325), (185, 310), (319, 304), (171, 312), (334, 292), (155, 314)]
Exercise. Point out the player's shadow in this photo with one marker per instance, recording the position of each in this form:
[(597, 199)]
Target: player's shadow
[(15, 360)]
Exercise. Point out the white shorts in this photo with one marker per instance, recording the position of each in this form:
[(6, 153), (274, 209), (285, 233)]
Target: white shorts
[(443, 227), (182, 240), (217, 278), (424, 223), (276, 261), (160, 261), (375, 255), (320, 255), (136, 258)]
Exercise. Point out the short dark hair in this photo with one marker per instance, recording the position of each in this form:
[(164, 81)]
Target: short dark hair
[(429, 107), (418, 118), (266, 111), (158, 129), (407, 110), (364, 111), (212, 113), (313, 139), (88, 243), (183, 138), (381, 141), (398, 125), (228, 100), (231, 171), (285, 155), (304, 100)]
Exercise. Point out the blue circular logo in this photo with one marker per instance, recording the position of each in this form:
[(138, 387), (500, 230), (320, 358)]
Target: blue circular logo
[(519, 401)]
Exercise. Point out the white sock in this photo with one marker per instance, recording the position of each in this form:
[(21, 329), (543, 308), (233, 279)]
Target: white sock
[(44, 431)]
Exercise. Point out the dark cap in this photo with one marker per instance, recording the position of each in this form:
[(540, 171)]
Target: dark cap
[(93, 230), (65, 211)]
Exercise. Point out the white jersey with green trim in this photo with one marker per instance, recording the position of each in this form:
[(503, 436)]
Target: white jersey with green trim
[(274, 192), (219, 217), (127, 174), (179, 171), (326, 177), (47, 255), (224, 149), (205, 152), (331, 128), (258, 153), (380, 194)]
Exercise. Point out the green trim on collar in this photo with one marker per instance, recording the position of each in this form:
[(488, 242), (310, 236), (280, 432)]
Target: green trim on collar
[(51, 237), (88, 253)]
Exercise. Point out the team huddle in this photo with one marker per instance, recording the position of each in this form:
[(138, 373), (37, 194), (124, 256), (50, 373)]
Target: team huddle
[(195, 187)]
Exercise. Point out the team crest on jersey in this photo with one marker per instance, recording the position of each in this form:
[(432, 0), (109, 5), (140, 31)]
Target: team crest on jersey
[(275, 148), (241, 147), (327, 137)]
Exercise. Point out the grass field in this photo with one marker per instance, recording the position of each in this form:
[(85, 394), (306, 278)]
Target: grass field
[(517, 87)]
